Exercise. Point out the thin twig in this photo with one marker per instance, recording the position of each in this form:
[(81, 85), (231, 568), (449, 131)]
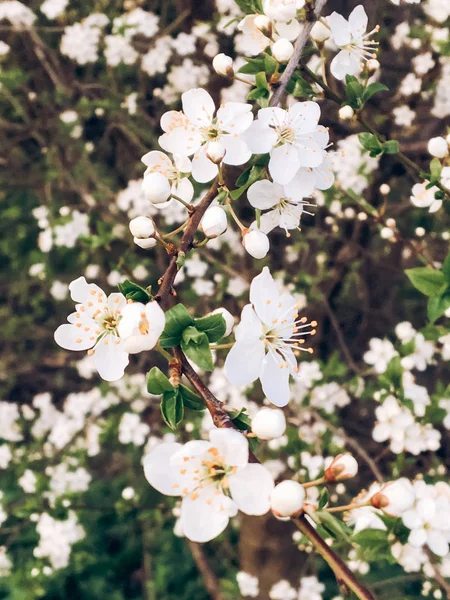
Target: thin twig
[(209, 577), (300, 44), (337, 329)]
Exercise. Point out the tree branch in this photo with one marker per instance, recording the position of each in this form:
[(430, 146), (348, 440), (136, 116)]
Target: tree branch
[(209, 577), (313, 15)]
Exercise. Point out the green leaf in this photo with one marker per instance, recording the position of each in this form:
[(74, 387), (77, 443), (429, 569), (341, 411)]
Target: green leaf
[(250, 7), (354, 91), (253, 66), (157, 382), (177, 319), (195, 345), (446, 268), (270, 64), (394, 372), (240, 419), (254, 174), (428, 281), (437, 305), (373, 88), (191, 399), (257, 93), (172, 408), (435, 170), (133, 291), (391, 147), (213, 325), (334, 526), (302, 89), (324, 498), (370, 143)]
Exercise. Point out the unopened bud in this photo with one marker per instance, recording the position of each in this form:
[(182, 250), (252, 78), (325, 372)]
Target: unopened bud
[(269, 423), (320, 33), (256, 243), (145, 243), (214, 221), (227, 317), (346, 112), (372, 65), (264, 24), (282, 50), (215, 151), (395, 497), (156, 188), (287, 498), (438, 147), (223, 65), (343, 466), (142, 227)]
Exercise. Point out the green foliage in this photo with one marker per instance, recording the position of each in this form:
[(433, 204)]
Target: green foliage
[(357, 95), (374, 147), (177, 320), (435, 284), (133, 291)]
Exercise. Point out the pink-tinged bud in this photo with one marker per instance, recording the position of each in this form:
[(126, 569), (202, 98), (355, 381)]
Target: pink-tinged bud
[(145, 243), (215, 151), (395, 497), (223, 65), (256, 243), (287, 498), (214, 221), (343, 466)]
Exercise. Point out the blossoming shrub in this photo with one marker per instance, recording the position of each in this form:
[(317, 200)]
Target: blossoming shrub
[(248, 204)]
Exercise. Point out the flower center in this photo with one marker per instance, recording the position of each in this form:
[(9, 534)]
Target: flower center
[(212, 133), (286, 135)]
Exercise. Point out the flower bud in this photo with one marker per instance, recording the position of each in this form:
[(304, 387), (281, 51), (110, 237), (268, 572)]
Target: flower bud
[(372, 65), (264, 24), (142, 227), (282, 50), (438, 147), (215, 151), (228, 318), (156, 188), (287, 498), (223, 65), (343, 466), (269, 423), (214, 221), (145, 243), (320, 33), (256, 243), (346, 112), (395, 497)]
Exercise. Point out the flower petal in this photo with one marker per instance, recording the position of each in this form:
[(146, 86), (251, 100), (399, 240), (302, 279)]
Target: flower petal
[(340, 29), (232, 445), (264, 296), (235, 117), (81, 291), (198, 106), (275, 379), (203, 169), (264, 194), (237, 151), (284, 163), (206, 514), (158, 469), (243, 362), (250, 488), (260, 138), (110, 358), (71, 337), (357, 21)]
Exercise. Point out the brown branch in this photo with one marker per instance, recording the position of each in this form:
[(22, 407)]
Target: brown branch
[(302, 39), (166, 287), (341, 341), (345, 578), (209, 577)]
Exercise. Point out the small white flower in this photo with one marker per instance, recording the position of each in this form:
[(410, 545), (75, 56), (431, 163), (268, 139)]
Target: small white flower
[(284, 210), (269, 423), (190, 131), (353, 40), (380, 354), (293, 138), (269, 332), (423, 197), (287, 498), (94, 326), (141, 326), (214, 479)]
